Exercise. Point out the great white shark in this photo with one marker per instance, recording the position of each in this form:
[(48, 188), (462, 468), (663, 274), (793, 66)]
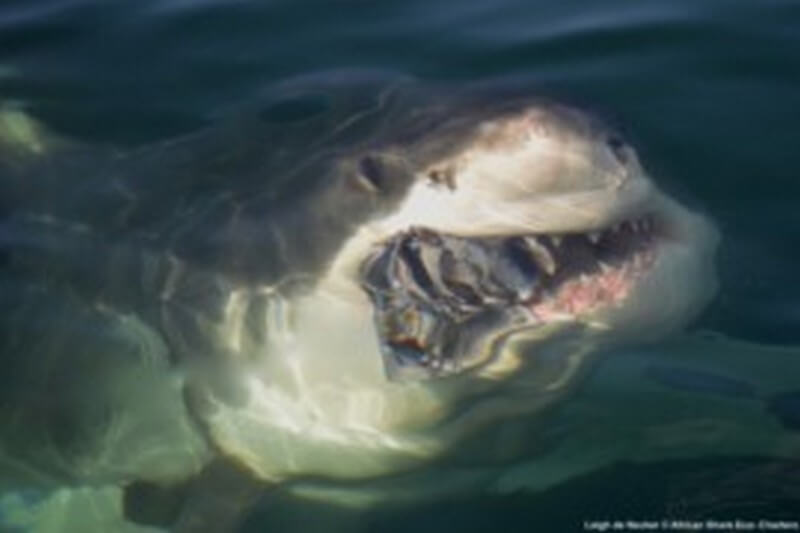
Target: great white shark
[(383, 302)]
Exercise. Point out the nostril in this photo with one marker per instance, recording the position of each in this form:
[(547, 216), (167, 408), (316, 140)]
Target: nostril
[(618, 148)]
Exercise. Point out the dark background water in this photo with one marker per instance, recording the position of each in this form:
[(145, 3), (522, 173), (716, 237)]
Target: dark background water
[(708, 91)]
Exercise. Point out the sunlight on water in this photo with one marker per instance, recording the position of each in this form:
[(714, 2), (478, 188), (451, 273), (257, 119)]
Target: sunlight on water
[(97, 398)]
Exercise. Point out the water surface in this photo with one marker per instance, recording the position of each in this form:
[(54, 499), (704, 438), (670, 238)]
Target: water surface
[(709, 92)]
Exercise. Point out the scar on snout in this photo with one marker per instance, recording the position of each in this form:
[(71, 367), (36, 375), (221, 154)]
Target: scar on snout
[(443, 176)]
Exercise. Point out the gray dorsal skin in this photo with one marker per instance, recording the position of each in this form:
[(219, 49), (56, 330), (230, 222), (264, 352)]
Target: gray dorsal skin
[(224, 200)]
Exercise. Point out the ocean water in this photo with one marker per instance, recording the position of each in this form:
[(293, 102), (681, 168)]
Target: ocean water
[(708, 92)]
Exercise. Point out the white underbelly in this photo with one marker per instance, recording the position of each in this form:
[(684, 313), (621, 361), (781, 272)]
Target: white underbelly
[(319, 403)]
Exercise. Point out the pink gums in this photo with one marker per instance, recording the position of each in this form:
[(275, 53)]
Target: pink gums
[(588, 293)]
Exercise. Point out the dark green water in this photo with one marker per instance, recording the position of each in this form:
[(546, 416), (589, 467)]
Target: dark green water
[(709, 92)]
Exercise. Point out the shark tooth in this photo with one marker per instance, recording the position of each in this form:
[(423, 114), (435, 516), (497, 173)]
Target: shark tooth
[(541, 254)]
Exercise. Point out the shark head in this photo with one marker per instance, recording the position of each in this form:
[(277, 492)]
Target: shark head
[(504, 245), (524, 220)]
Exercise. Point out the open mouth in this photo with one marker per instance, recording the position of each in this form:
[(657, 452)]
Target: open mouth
[(438, 297), (596, 270)]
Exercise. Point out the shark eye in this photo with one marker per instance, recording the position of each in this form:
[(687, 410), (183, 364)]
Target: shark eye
[(618, 148), (371, 173)]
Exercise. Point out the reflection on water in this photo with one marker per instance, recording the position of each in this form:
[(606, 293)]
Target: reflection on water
[(704, 426)]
